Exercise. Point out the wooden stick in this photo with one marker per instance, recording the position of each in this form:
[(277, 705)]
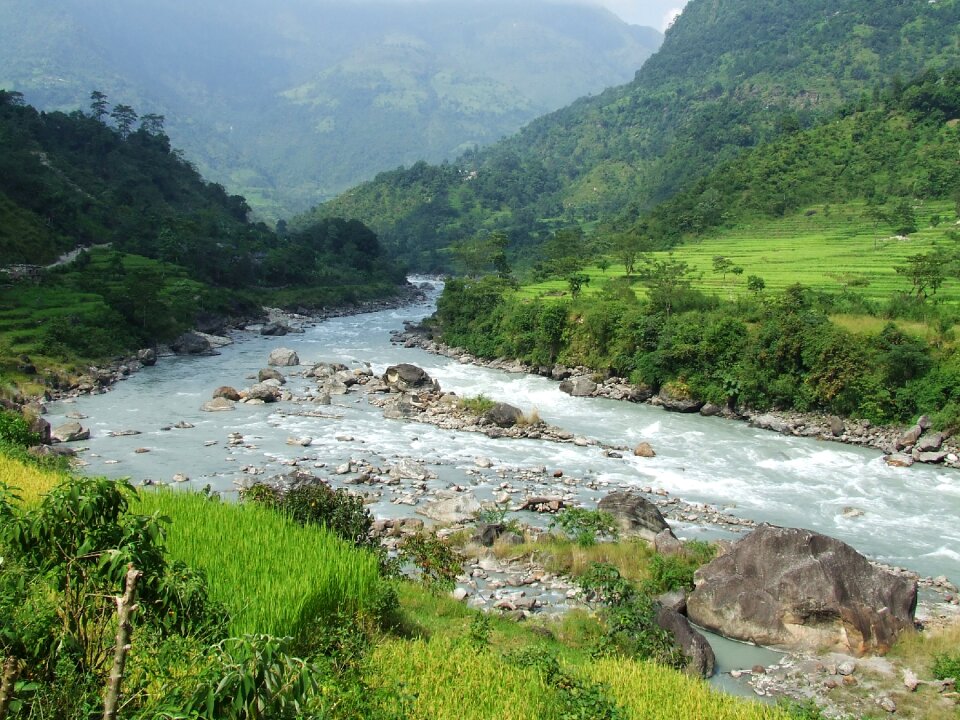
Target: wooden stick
[(125, 609)]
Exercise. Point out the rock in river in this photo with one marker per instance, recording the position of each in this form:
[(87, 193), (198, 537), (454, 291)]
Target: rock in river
[(70, 432), (800, 589), (283, 357), (634, 513)]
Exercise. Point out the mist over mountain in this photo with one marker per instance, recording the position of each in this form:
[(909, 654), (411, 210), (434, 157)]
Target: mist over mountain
[(289, 104)]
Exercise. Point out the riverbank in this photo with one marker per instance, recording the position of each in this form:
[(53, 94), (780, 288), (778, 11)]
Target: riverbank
[(902, 447)]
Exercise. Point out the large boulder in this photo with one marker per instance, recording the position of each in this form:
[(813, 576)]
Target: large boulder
[(283, 357), (191, 343), (218, 404), (700, 658), (263, 391), (69, 432), (634, 513), (41, 428), (457, 509), (270, 374), (406, 377), (274, 329), (147, 357), (802, 590), (579, 387), (226, 392), (503, 415), (677, 399)]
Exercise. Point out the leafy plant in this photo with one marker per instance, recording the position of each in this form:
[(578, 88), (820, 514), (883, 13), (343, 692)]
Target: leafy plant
[(438, 563), (584, 526), (675, 572), (477, 405), (946, 665), (15, 430)]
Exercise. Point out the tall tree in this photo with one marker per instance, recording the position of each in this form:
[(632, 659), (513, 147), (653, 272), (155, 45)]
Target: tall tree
[(98, 105), (124, 116)]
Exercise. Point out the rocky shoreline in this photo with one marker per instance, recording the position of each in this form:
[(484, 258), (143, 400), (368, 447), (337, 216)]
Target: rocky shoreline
[(902, 447)]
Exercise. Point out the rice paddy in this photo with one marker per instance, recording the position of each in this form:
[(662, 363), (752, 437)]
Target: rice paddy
[(275, 576), (28, 482), (825, 248)]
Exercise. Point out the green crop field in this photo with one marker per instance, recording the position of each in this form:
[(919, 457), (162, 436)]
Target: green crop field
[(826, 248)]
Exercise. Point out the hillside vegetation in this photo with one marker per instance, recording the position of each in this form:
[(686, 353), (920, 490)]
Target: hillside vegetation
[(148, 247), (731, 75), (290, 106), (296, 621)]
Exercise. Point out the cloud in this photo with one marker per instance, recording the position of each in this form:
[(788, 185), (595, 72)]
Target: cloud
[(654, 13)]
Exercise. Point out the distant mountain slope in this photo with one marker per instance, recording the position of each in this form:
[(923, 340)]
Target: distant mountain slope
[(730, 75), (289, 104)]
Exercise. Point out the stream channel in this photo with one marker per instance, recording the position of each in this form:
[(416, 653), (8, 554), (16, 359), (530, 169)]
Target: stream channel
[(910, 516)]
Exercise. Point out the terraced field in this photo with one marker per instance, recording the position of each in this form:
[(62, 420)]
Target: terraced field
[(824, 248)]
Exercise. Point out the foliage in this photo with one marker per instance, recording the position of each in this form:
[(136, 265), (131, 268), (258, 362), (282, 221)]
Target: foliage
[(946, 665), (630, 616), (315, 502), (437, 562), (675, 571), (477, 405), (15, 430), (584, 525), (580, 699)]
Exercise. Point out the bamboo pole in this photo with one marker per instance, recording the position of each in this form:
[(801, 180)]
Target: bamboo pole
[(125, 610)]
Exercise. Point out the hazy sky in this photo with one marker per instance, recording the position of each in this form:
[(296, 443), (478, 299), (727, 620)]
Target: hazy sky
[(655, 13)]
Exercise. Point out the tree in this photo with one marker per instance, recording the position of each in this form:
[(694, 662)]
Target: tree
[(124, 116), (722, 265), (755, 284), (152, 124), (628, 248), (904, 218), (565, 252), (98, 104), (576, 283), (667, 280), (926, 271), (603, 263)]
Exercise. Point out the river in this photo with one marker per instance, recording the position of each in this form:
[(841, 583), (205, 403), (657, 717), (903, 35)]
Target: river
[(911, 516)]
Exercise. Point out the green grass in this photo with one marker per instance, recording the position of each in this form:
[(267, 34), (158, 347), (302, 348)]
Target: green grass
[(30, 483), (275, 576), (820, 248)]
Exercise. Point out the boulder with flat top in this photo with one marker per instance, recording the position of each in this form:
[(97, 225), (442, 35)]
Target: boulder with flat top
[(634, 514)]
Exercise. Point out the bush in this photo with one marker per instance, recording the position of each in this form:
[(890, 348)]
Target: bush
[(15, 430), (584, 526), (477, 405), (946, 666), (438, 563)]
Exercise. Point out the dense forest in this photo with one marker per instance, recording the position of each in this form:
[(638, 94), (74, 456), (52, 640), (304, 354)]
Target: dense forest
[(711, 92), (148, 247)]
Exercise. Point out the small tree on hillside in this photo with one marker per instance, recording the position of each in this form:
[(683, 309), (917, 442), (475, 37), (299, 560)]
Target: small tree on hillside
[(124, 116), (98, 105)]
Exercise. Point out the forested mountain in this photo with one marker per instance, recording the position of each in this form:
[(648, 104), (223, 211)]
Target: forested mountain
[(730, 75), (895, 149), (158, 246), (289, 104)]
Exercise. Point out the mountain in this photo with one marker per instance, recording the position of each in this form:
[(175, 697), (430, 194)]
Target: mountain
[(289, 104), (730, 75), (110, 240)]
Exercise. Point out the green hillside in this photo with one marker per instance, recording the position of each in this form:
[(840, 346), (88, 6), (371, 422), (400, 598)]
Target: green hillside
[(288, 106), (149, 248), (730, 75)]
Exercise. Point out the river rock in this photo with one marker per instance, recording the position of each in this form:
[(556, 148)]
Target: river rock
[(274, 328), (264, 392), (711, 410), (899, 460), (768, 421), (283, 357), (69, 432), (666, 543), (929, 442), (271, 374), (799, 589), (694, 646), (836, 425), (676, 401), (191, 343), (579, 387), (909, 438), (503, 415), (405, 377), (147, 357), (932, 458), (41, 428), (634, 514), (644, 450), (227, 393), (218, 404), (457, 509)]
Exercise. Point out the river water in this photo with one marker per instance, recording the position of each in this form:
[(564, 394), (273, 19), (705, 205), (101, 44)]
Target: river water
[(911, 517)]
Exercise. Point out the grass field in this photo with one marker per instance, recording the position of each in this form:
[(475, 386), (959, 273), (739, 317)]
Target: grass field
[(826, 249)]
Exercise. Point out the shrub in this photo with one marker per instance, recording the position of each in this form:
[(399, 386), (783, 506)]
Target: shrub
[(478, 405), (946, 666), (15, 430), (438, 563), (585, 525)]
